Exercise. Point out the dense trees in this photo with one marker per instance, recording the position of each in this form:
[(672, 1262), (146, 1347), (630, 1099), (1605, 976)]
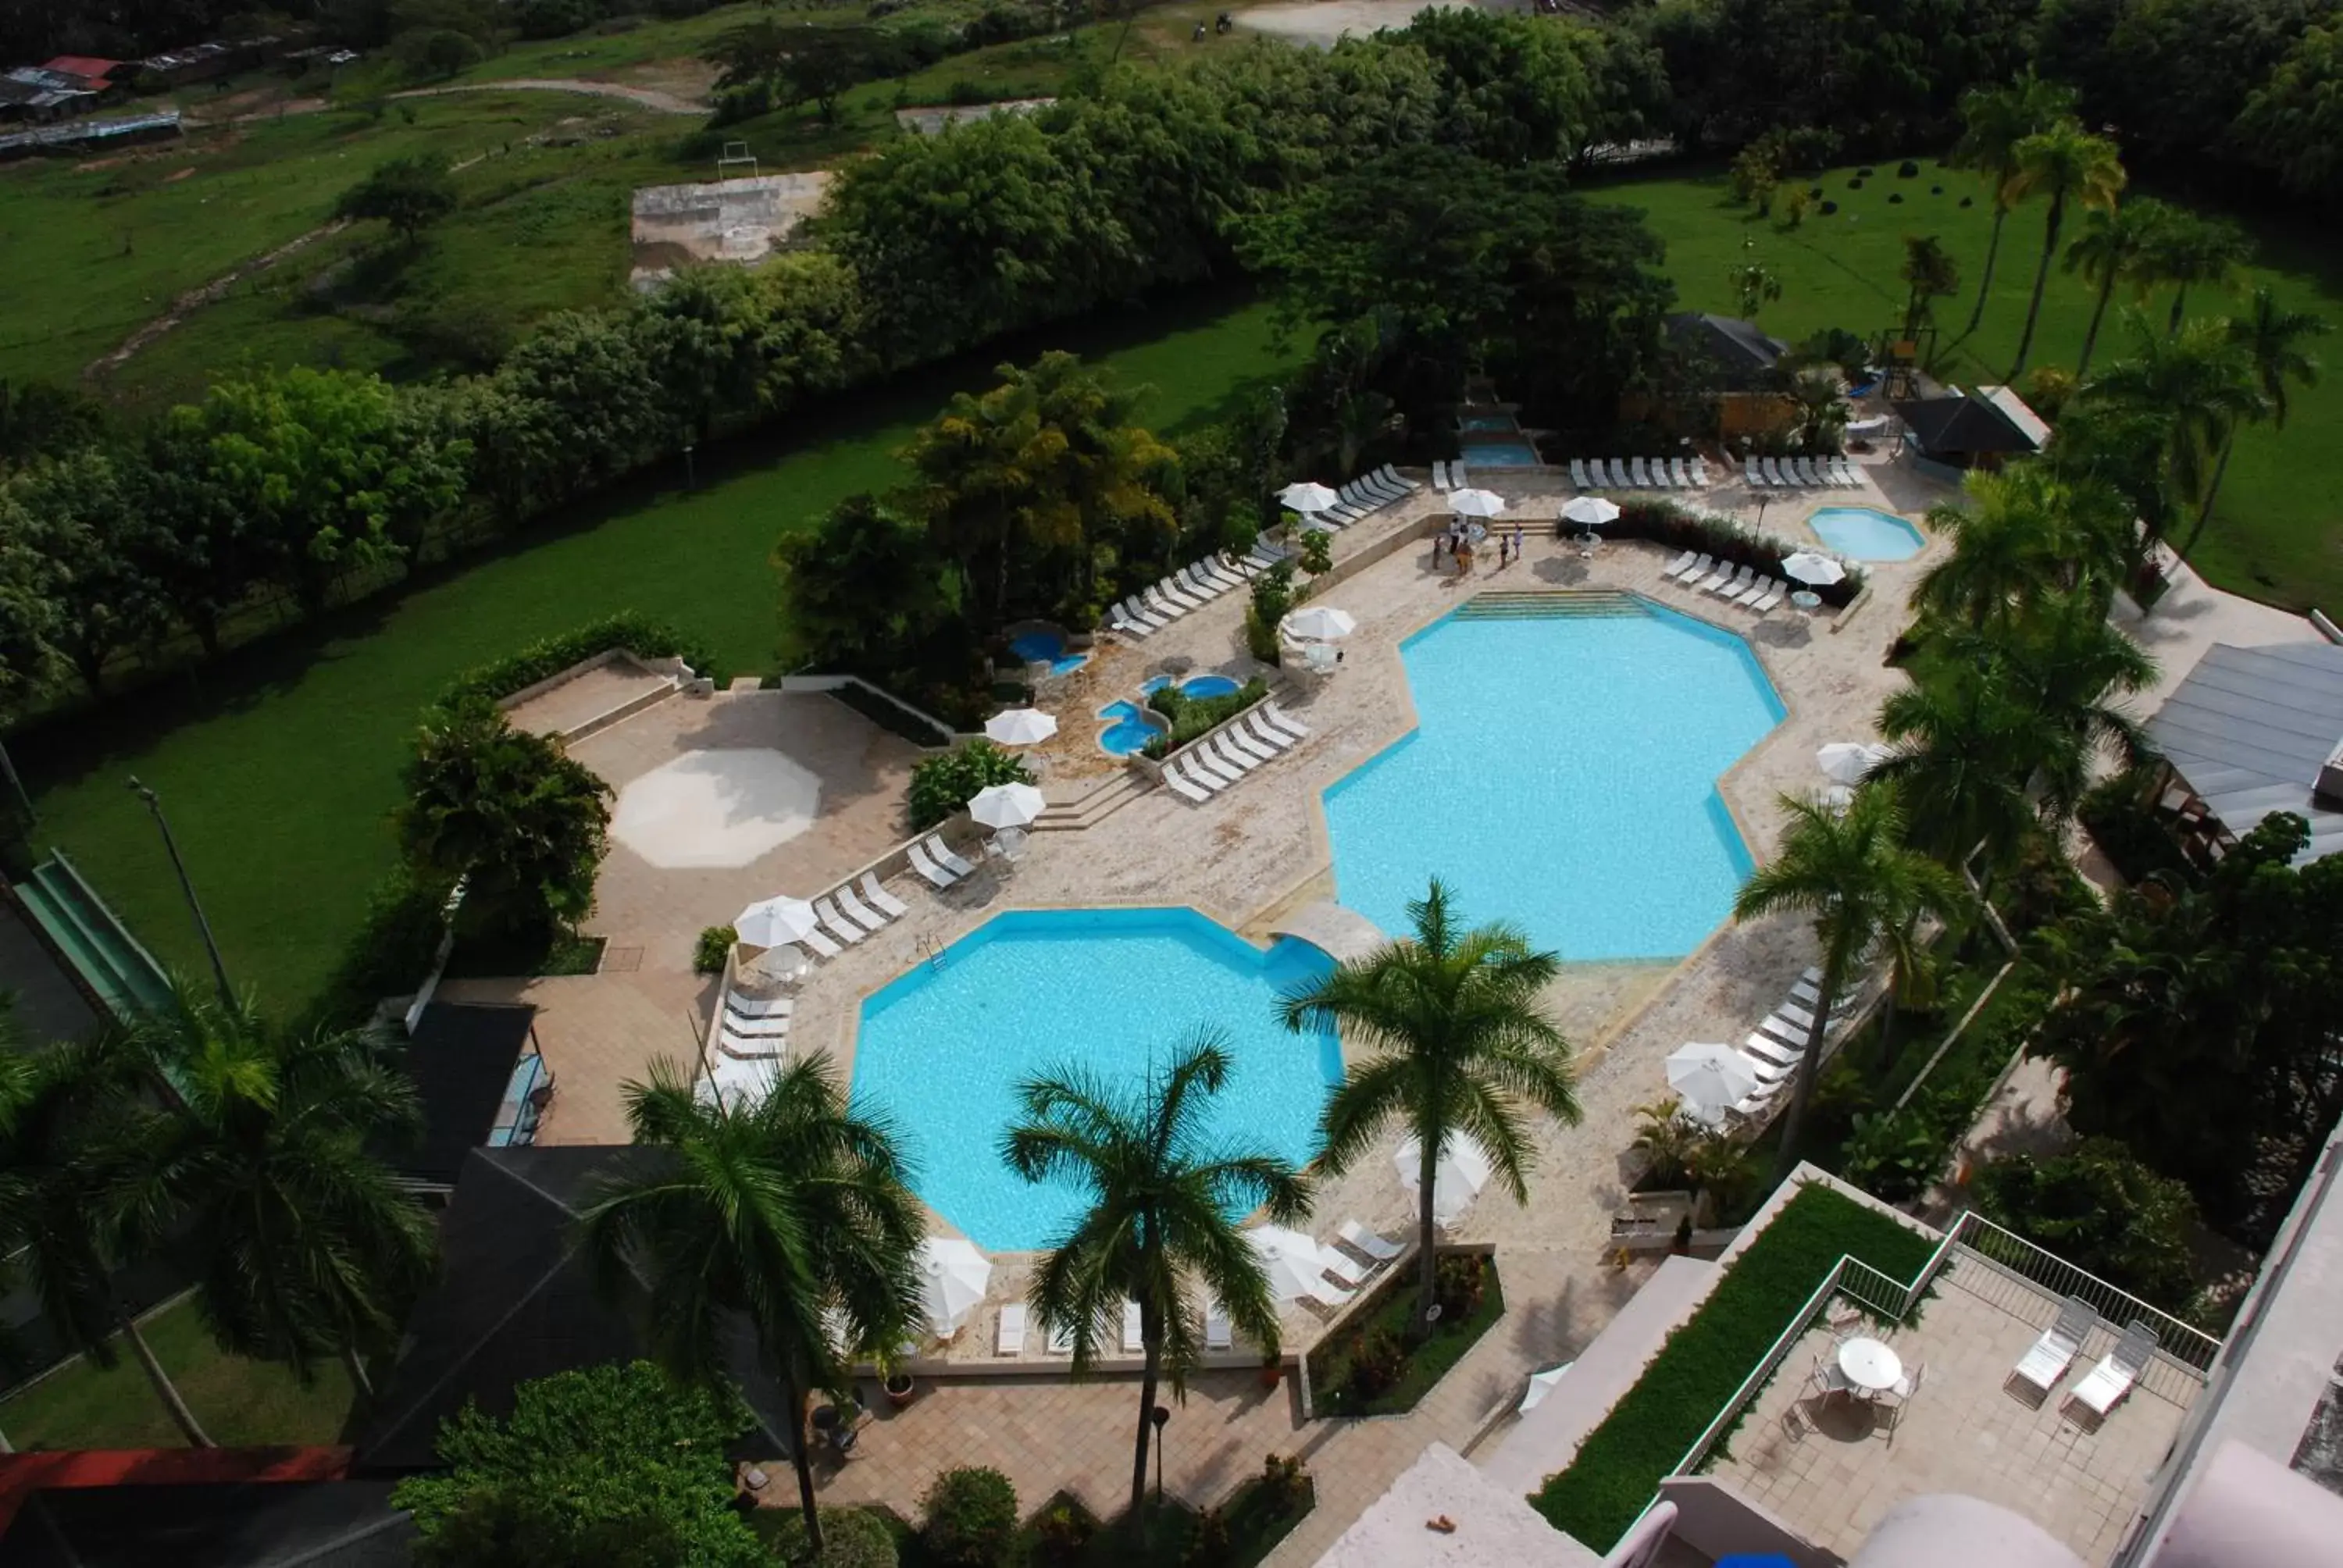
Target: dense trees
[(408, 194)]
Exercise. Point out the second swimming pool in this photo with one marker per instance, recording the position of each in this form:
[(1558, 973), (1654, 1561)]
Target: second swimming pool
[(1563, 775), (1866, 533)]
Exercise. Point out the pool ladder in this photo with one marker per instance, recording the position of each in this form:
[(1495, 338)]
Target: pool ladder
[(929, 949)]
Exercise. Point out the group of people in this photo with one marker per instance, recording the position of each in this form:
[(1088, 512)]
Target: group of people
[(1456, 540)]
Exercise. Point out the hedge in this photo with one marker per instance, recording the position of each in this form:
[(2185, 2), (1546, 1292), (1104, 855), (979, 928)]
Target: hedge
[(1622, 1461), (638, 634), (1730, 540)]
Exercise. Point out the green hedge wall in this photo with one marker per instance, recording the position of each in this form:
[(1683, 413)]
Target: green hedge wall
[(638, 634), (1620, 1464)]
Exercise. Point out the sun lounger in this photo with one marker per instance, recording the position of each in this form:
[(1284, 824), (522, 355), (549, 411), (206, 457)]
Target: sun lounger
[(1266, 734), (1772, 596), (1622, 471), (820, 944), (1327, 1295), (1635, 472), (1678, 474), (852, 908), (1358, 1237), (1747, 593), (1736, 583), (1701, 565), (1340, 1269), (1578, 474), (2104, 1385), (1193, 771), (1811, 470), (1440, 480), (1713, 580), (1159, 607), (1285, 721), (934, 845), (1186, 577), (1212, 568), (1246, 760), (1201, 761), (1700, 473), (1061, 1339), (1680, 563), (1848, 474), (2046, 1360), (1217, 748), (934, 875), (1383, 494), (1171, 592), (1751, 472), (1218, 1335), (1132, 1342), (756, 1024), (1009, 1333), (760, 1006), (1764, 1046), (1177, 782), (1237, 734), (879, 899), (1773, 476), (836, 924), (752, 1047), (1391, 473)]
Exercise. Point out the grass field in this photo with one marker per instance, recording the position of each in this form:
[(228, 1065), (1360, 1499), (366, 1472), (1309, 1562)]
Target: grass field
[(280, 765), (236, 1401), (2275, 531)]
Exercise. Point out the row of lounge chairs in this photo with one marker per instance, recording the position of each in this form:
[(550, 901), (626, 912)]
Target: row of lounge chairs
[(1451, 475), (1773, 1050), (1800, 473), (1639, 472), (1221, 759), (2105, 1386), (1190, 587), (1369, 493), (1743, 586)]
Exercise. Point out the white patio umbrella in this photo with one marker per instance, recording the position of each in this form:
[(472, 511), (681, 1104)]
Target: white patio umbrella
[(1476, 503), (1006, 805), (1306, 496), (772, 922), (1294, 1263), (1019, 726), (1320, 623), (1591, 510), (1541, 1384), (1846, 761), (953, 1277), (1711, 1080), (1814, 569), (1462, 1170)]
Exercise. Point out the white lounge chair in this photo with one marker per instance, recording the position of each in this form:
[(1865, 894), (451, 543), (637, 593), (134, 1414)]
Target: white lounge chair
[(836, 924), (1170, 590), (1228, 752), (1713, 580), (1284, 720), (1218, 1334), (1677, 565), (1159, 607), (2049, 1357), (853, 910), (1733, 585), (1848, 474), (1677, 475), (1774, 594), (820, 944), (1357, 1237), (1220, 572), (752, 1047), (1635, 472), (1750, 471), (879, 899), (777, 1023), (2104, 1385), (760, 1006), (1132, 1342), (1211, 783), (1748, 592), (1764, 1046), (1203, 763), (1238, 735), (1177, 782), (1458, 476), (1326, 1295), (1061, 1339), (934, 875), (1009, 1333), (1267, 734), (1407, 487), (1342, 1269), (1440, 477), (1698, 568), (1578, 474), (936, 846), (1700, 473)]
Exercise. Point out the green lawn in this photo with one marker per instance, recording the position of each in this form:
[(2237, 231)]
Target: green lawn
[(280, 765), (2280, 520), (236, 1401)]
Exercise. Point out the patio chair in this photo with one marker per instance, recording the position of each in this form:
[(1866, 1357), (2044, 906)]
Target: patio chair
[(1180, 785), (1699, 568), (935, 875), (821, 945), (853, 910), (836, 924), (1678, 472), (2049, 1357), (1749, 471), (1361, 1240), (934, 844), (1391, 475), (1578, 474), (880, 899), (1887, 1409), (2106, 1384), (1637, 471), (1827, 1379), (1009, 1335), (1439, 478), (1775, 589), (1700, 473)]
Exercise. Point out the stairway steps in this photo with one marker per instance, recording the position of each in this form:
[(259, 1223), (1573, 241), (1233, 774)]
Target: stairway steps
[(1093, 807), (93, 940), (1558, 605)]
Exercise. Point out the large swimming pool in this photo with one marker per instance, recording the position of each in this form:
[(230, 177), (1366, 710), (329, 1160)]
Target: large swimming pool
[(943, 1049), (1563, 774), (1866, 533)]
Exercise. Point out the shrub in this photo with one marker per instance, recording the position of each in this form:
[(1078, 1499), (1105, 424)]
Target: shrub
[(1189, 717), (1829, 207), (1061, 1532), (638, 634), (1376, 1358), (1908, 169), (1968, 201), (714, 947), (1458, 1282), (850, 1538), (1864, 172), (391, 950), (1935, 190), (1795, 210), (1317, 551), (943, 785), (970, 1514), (1815, 192), (2103, 1210)]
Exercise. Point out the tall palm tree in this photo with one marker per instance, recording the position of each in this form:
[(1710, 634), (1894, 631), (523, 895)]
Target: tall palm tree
[(1930, 272), (2022, 532), (2192, 249), (1864, 888), (302, 1242), (1961, 751), (63, 1125), (2066, 166), (1163, 1206), (2119, 244), (2271, 338), (2197, 386), (1994, 120), (1460, 1044), (770, 1212)]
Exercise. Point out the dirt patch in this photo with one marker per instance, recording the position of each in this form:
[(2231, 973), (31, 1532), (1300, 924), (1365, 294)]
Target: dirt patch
[(210, 293), (1326, 22), (177, 175)]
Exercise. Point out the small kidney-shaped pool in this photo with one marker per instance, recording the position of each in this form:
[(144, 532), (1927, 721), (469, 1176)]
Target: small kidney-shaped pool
[(1866, 533)]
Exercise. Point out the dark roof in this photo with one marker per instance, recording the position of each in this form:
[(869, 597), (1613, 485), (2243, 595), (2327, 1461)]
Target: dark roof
[(461, 1057), (516, 1301), (1963, 424), (252, 1524), (1738, 353), (2250, 728)]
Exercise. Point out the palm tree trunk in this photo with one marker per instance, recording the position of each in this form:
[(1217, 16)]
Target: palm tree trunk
[(2205, 512), (801, 1458), (1427, 1269), (1984, 283), (1802, 1086), (1152, 1336), (2041, 280), (356, 1368), (2098, 313), (2180, 310), (165, 1389)]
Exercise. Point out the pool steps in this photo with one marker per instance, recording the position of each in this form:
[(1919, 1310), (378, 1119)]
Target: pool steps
[(1102, 802), (1551, 605)]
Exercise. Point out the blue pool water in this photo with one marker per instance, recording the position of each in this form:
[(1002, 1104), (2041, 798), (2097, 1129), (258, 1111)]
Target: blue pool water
[(1128, 728), (942, 1050), (1047, 647), (1866, 533), (1194, 686), (1488, 422), (1501, 454), (1563, 774)]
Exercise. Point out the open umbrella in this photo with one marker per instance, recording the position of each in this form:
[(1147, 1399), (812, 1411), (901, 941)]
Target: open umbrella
[(953, 1277), (1814, 569), (1462, 1170), (1306, 496), (1320, 623), (1591, 510), (1006, 805), (1846, 761), (1294, 1263), (1476, 503), (772, 922), (1541, 1384), (1711, 1080), (1020, 726)]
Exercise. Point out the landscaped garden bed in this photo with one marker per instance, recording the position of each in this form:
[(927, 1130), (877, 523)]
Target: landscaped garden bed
[(1620, 1462), (1367, 1367)]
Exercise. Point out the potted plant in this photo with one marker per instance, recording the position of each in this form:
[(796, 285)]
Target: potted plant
[(1272, 1369), (898, 1386)]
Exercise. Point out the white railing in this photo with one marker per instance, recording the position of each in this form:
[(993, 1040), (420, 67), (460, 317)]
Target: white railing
[(1987, 1241)]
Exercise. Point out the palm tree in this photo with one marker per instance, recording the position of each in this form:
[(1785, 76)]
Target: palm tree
[(1818, 393), (2197, 386), (2064, 165), (1755, 284), (771, 1213), (2119, 244), (1864, 889), (1162, 1199), (2271, 338), (1962, 750), (1460, 1042), (2021, 532), (1931, 273), (303, 1243), (62, 1135), (2192, 249), (1993, 121)]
